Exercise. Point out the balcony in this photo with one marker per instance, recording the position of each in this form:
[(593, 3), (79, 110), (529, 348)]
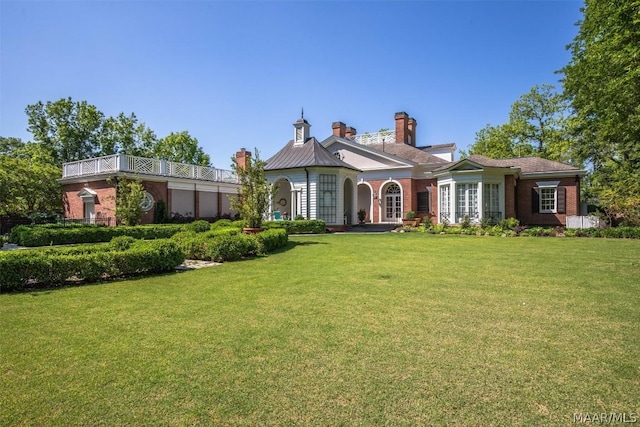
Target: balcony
[(145, 166), (382, 137)]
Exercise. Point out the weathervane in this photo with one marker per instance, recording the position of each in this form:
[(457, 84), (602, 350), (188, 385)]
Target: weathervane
[(302, 113)]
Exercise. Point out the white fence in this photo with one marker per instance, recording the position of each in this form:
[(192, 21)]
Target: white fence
[(143, 165), (589, 221)]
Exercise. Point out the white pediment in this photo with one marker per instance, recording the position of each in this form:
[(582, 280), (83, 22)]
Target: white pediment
[(466, 165), (361, 156), (87, 193)]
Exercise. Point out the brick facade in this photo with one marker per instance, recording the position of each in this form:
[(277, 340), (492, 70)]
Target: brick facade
[(526, 213), (104, 201)]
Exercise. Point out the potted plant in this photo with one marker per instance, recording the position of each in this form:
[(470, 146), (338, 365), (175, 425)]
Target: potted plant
[(254, 193), (410, 218), (362, 214)]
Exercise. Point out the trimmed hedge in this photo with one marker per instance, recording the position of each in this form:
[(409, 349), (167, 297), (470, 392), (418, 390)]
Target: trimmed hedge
[(315, 226), (54, 266), (44, 235), (229, 244)]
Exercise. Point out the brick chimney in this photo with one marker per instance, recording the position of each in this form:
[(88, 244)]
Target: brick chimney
[(349, 132), (338, 129), (411, 128), (402, 127), (242, 156)]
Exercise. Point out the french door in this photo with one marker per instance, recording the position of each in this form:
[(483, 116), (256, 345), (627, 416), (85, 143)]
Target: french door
[(393, 203)]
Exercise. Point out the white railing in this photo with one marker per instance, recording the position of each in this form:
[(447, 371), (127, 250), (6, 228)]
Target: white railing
[(382, 137), (147, 166)]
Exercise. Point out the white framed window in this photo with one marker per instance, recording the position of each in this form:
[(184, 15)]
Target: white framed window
[(491, 201), (550, 197), (327, 198), (466, 201), (445, 203)]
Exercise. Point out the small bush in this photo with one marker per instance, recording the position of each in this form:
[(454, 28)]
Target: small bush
[(122, 243), (232, 247), (315, 226), (272, 239), (199, 226), (509, 223)]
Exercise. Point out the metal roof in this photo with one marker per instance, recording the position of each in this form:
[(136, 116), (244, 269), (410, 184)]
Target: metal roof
[(309, 154)]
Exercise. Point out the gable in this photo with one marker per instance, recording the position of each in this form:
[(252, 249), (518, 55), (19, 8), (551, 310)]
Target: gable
[(362, 157)]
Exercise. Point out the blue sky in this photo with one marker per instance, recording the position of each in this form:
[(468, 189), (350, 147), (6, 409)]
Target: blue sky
[(236, 74)]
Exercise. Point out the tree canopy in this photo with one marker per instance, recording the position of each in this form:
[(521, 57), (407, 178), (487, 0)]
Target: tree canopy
[(602, 83), (28, 182), (181, 147), (75, 130), (538, 126), (66, 130)]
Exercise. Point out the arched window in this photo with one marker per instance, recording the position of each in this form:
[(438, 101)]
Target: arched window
[(393, 189)]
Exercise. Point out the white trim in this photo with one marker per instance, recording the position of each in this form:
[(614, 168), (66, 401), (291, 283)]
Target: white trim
[(548, 184)]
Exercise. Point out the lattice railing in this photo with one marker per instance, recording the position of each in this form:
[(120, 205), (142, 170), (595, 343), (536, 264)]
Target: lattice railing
[(382, 137), (93, 166), (143, 165), (147, 166)]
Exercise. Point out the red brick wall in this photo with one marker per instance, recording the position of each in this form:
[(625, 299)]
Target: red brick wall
[(159, 192), (525, 211), (105, 200)]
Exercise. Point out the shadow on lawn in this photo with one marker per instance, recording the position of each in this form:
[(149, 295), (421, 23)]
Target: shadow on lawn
[(36, 289)]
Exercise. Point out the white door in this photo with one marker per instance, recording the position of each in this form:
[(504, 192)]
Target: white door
[(89, 212)]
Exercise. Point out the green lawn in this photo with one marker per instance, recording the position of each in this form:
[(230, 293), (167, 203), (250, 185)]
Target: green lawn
[(393, 329)]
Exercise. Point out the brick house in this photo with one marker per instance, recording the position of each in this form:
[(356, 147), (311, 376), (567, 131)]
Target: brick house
[(384, 173), (89, 188), (393, 175)]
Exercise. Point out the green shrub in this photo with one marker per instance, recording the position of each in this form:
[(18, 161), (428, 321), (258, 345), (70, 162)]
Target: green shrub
[(54, 266), (315, 226), (228, 244), (232, 247), (272, 239), (199, 226), (46, 235), (509, 223), (192, 244), (227, 223), (122, 243)]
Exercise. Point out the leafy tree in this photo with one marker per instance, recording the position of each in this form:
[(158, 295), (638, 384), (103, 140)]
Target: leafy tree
[(182, 148), (254, 192), (8, 146), (602, 82), (28, 182), (125, 135), (129, 195), (538, 126), (68, 130)]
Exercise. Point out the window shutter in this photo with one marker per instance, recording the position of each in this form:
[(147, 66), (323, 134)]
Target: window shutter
[(535, 200), (562, 199)]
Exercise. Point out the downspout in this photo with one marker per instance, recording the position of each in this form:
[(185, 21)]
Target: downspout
[(308, 194)]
